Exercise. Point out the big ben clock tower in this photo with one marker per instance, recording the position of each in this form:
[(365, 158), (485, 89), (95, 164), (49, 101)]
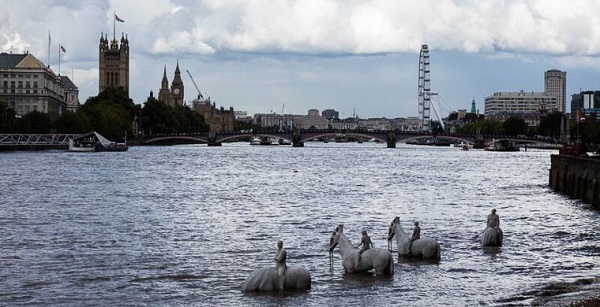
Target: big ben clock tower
[(177, 88)]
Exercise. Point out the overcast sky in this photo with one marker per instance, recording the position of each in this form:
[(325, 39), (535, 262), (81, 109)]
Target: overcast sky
[(357, 57)]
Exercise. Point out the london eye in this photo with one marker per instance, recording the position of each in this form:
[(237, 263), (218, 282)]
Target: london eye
[(425, 94), (424, 90)]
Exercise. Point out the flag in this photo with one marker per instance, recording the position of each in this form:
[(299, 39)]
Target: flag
[(63, 49), (118, 19), (49, 38)]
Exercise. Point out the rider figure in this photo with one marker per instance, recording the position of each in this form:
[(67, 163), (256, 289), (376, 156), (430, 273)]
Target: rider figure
[(366, 243), (415, 236), (493, 220), (280, 264)]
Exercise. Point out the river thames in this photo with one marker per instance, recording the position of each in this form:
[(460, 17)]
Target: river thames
[(185, 225)]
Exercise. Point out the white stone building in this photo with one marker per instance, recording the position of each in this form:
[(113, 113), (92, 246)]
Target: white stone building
[(527, 105), (27, 85)]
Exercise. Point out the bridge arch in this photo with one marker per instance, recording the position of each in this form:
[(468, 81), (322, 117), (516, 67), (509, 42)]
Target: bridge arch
[(174, 138)]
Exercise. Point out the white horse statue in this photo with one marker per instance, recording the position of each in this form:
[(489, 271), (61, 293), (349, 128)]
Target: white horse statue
[(266, 279), (379, 259), (492, 236), (426, 248)]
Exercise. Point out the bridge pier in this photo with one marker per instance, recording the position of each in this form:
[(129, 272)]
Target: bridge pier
[(296, 138), (212, 139), (391, 139)]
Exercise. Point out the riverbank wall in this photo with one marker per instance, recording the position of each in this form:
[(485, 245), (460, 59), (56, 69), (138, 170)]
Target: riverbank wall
[(33, 147), (577, 177)]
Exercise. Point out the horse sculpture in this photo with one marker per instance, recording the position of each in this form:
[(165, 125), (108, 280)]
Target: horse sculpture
[(266, 279), (425, 248), (379, 259), (492, 236)]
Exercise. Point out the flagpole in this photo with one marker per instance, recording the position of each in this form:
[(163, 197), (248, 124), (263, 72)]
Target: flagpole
[(114, 22), (49, 39), (59, 59)]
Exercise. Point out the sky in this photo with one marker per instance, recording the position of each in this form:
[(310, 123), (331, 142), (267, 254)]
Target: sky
[(358, 57)]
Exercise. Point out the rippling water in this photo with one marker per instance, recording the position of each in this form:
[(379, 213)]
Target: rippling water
[(185, 225)]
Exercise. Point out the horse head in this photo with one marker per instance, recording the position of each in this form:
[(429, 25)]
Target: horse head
[(335, 237), (392, 229)]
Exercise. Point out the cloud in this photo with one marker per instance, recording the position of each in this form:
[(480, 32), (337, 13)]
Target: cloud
[(180, 42), (315, 50), (313, 26)]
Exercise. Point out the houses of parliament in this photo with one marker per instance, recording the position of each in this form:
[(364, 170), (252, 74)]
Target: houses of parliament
[(173, 96), (114, 72)]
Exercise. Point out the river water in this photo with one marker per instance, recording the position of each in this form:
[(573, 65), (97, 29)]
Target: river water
[(185, 225)]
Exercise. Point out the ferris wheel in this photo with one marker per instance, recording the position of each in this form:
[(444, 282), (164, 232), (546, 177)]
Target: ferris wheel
[(424, 90), (425, 93)]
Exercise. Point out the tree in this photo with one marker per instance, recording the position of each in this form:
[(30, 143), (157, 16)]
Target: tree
[(160, 118), (550, 124), (241, 125), (592, 135), (110, 113), (486, 126), (113, 95), (34, 122), (7, 117), (72, 122), (514, 126)]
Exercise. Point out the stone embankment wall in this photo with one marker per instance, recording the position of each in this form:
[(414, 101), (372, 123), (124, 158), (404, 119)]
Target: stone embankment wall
[(577, 177)]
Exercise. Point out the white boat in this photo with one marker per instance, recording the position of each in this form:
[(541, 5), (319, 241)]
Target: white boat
[(81, 146), (94, 141), (263, 140), (284, 142), (503, 145)]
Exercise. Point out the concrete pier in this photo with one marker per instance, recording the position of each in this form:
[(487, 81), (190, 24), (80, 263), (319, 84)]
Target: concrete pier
[(577, 177)]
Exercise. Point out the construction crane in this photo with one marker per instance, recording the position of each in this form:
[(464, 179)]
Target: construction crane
[(195, 85)]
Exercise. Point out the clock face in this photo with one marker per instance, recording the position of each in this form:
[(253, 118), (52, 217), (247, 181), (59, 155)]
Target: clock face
[(176, 91)]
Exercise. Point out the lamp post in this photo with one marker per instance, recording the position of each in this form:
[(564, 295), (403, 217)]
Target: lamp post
[(581, 132)]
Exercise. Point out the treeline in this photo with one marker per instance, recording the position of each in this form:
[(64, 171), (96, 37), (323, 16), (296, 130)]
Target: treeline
[(111, 114), (588, 132)]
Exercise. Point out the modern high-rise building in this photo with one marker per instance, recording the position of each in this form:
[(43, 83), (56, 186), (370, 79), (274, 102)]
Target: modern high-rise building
[(555, 85), (114, 63), (586, 103)]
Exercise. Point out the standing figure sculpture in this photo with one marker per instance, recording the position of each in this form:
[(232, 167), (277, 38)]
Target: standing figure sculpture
[(415, 236), (280, 258), (492, 235), (365, 243)]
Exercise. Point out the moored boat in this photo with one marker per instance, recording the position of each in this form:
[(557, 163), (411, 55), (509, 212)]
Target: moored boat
[(93, 142), (503, 145)]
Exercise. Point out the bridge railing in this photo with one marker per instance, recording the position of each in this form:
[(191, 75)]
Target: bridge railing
[(35, 139)]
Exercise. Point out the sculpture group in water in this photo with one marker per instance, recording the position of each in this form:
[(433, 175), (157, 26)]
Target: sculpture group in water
[(363, 258)]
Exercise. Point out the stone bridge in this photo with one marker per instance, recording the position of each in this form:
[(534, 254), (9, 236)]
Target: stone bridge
[(299, 136)]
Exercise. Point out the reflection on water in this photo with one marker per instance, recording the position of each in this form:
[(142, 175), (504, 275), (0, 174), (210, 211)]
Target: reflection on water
[(185, 225)]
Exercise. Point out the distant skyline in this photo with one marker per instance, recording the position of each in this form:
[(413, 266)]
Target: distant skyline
[(357, 57)]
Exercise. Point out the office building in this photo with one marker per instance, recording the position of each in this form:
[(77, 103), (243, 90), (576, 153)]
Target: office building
[(527, 105), (555, 85), (27, 85)]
